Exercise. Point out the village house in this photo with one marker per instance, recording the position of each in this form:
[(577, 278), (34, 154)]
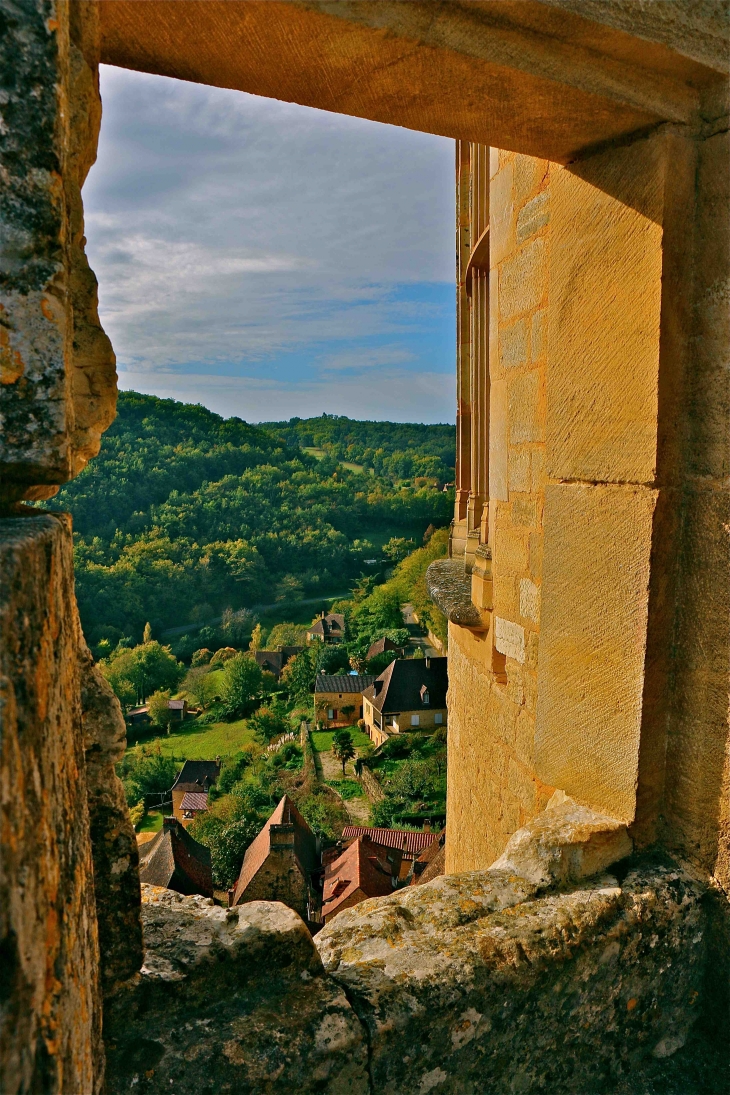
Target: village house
[(381, 646), (409, 695), (338, 698), (273, 661), (280, 863), (409, 843), (190, 789), (176, 861), (431, 862), (329, 628), (364, 869), (141, 714), (178, 709)]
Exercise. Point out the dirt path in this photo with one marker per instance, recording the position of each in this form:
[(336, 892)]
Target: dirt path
[(330, 768)]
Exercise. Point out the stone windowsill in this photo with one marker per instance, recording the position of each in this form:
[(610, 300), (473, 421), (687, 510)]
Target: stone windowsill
[(449, 587)]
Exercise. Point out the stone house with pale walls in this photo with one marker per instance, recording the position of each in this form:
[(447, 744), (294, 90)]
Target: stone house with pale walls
[(280, 863), (329, 628), (195, 778), (408, 696), (587, 587), (338, 697)]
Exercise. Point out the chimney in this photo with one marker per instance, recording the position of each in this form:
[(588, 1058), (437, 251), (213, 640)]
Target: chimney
[(231, 895), (427, 825)]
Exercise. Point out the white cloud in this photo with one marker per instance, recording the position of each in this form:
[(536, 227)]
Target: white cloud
[(237, 234)]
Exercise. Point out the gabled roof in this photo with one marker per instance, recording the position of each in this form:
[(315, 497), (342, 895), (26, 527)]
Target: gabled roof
[(398, 688), (177, 705), (411, 843), (432, 861), (176, 861), (200, 772), (275, 660), (194, 800), (342, 682), (362, 866), (380, 646), (331, 624), (305, 846)]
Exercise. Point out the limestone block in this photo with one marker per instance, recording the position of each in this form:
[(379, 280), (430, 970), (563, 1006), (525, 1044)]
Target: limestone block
[(230, 1000), (529, 599), (593, 619), (523, 280), (471, 983), (50, 1021), (533, 216), (498, 440), (501, 220), (566, 843), (524, 411), (57, 378), (605, 303), (538, 337), (509, 638), (113, 841), (513, 345), (518, 463)]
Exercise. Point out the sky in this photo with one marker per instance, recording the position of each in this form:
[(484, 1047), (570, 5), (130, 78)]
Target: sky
[(270, 260)]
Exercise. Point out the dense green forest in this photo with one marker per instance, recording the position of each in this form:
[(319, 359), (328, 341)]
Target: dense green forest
[(395, 450), (184, 514)]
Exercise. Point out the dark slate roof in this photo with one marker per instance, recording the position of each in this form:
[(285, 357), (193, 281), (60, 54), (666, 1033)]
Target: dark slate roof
[(331, 624), (342, 682), (401, 683), (380, 646), (202, 772), (412, 843), (176, 861), (305, 846), (275, 660)]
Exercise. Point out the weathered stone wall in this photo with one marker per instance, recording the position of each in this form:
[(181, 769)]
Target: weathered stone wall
[(69, 888), (475, 984), (492, 786), (50, 1033), (231, 1000), (57, 377)]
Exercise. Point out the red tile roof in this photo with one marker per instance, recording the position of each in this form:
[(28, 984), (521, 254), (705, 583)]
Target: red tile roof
[(411, 843), (257, 852), (359, 867)]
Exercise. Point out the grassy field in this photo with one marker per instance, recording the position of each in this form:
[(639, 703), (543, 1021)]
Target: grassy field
[(196, 742), (322, 739), (151, 822), (346, 788)]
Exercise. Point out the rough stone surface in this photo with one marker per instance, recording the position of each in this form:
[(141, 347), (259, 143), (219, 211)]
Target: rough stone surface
[(471, 985), (565, 844), (113, 841), (50, 1016), (230, 1000), (57, 377), (450, 587)]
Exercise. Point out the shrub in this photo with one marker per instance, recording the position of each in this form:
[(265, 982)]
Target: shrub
[(159, 711), (136, 813), (242, 680), (223, 655), (201, 657), (269, 723)]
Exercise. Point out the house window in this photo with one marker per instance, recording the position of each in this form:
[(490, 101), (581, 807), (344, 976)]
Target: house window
[(438, 718), (415, 720), (331, 712)]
